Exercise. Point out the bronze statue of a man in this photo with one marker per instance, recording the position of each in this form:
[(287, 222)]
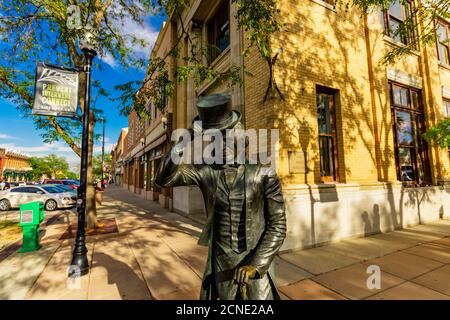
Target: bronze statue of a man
[(246, 221)]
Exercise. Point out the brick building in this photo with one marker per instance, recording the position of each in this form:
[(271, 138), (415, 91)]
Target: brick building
[(117, 158), (14, 166), (351, 157)]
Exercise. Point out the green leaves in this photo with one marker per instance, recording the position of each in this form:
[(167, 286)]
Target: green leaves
[(440, 134), (419, 27), (50, 166), (259, 19)]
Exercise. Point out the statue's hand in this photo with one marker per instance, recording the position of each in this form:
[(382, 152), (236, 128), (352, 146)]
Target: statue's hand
[(244, 273)]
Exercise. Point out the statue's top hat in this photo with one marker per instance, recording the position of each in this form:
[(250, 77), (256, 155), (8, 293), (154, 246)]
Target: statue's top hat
[(215, 112)]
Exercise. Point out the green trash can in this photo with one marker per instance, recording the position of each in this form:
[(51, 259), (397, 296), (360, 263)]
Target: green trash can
[(31, 216)]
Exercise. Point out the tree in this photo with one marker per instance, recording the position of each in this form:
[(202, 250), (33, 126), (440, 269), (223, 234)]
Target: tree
[(51, 166), (440, 134), (97, 164), (72, 175), (32, 30)]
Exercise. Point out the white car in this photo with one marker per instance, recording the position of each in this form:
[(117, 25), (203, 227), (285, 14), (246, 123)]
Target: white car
[(52, 197)]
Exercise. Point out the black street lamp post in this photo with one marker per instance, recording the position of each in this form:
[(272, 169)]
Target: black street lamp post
[(80, 264)]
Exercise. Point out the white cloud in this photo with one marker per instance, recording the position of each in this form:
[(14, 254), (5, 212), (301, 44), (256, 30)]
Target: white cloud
[(141, 31), (108, 148), (4, 136), (128, 26), (44, 149), (74, 162), (58, 148), (109, 59)]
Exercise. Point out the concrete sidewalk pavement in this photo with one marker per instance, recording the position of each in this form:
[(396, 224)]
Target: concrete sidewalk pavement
[(155, 255)]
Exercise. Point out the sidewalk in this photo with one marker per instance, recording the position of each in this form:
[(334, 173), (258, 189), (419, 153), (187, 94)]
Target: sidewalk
[(154, 255)]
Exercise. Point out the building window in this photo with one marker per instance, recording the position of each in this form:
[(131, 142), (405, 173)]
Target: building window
[(326, 105), (219, 30), (447, 107), (395, 17), (447, 110), (409, 125), (443, 37)]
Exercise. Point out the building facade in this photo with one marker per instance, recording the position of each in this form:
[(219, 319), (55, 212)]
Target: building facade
[(14, 166), (351, 156), (117, 158)]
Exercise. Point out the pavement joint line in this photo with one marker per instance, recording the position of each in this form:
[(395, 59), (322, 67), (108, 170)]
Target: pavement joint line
[(421, 274), (394, 286), (90, 271), (181, 258), (364, 260), (155, 214), (325, 286), (42, 271), (313, 274), (140, 269), (412, 279), (418, 255)]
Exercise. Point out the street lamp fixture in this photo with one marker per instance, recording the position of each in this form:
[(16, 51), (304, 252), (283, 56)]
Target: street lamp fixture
[(164, 121), (80, 265)]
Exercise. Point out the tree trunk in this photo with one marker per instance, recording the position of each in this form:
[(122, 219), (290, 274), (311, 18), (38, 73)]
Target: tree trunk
[(91, 210)]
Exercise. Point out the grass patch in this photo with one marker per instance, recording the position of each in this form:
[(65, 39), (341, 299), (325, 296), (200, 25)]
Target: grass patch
[(7, 224), (9, 232)]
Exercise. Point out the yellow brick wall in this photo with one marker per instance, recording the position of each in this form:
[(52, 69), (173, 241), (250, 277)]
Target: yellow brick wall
[(341, 50), (330, 48), (327, 48)]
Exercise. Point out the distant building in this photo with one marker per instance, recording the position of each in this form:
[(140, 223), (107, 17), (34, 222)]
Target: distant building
[(117, 158), (14, 166)]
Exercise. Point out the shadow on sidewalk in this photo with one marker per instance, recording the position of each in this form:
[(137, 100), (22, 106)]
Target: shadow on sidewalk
[(154, 216), (128, 284)]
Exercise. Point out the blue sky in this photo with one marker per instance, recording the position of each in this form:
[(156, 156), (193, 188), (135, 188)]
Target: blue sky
[(19, 134)]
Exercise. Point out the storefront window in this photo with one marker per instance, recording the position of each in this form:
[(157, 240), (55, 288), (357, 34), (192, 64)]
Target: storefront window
[(409, 126)]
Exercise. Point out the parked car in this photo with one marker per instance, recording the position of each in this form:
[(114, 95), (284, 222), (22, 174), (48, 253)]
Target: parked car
[(52, 197), (65, 188), (70, 183)]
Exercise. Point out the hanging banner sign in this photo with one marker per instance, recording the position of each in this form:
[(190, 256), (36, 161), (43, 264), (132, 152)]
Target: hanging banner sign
[(56, 91)]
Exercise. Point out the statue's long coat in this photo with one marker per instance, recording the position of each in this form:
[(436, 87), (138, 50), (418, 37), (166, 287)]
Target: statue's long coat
[(265, 219)]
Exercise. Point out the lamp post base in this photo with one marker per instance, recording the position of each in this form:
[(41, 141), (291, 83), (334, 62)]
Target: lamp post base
[(80, 264)]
